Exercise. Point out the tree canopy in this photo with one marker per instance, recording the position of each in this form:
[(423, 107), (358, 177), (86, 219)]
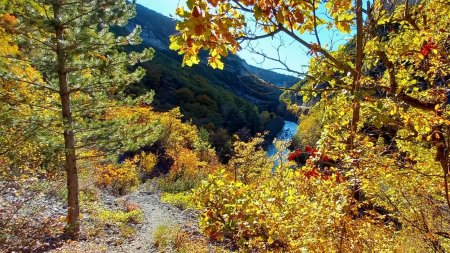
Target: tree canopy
[(384, 112)]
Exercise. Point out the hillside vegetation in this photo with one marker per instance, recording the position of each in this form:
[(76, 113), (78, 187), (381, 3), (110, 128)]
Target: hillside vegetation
[(371, 172), (233, 101), (110, 142)]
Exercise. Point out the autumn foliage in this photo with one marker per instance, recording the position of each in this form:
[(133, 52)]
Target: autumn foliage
[(382, 105), (371, 173), (120, 178)]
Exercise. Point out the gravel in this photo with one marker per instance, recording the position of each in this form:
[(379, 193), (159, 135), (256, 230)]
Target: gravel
[(156, 213)]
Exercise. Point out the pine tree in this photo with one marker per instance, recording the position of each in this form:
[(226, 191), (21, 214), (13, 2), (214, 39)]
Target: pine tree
[(83, 66)]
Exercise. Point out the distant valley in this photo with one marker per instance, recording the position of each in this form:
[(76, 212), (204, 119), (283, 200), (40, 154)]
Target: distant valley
[(232, 101)]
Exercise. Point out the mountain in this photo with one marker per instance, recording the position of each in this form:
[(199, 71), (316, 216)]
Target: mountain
[(272, 77), (224, 102), (157, 28)]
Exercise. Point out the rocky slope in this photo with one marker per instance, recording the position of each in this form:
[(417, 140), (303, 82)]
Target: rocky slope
[(237, 74)]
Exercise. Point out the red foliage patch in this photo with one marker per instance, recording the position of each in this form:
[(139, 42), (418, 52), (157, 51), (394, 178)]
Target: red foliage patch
[(294, 155), (427, 47)]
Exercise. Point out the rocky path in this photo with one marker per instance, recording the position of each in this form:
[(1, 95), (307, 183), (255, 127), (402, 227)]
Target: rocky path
[(156, 213)]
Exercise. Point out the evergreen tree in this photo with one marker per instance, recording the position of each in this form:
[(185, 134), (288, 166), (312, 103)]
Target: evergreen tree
[(83, 67)]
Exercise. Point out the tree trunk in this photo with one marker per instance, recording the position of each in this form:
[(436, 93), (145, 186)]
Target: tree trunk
[(356, 103), (73, 210), (356, 109)]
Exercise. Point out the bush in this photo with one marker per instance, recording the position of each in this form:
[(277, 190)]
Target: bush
[(310, 128), (187, 165), (123, 221), (119, 217), (25, 225), (182, 200), (147, 162), (181, 185), (169, 238), (165, 236), (186, 171), (121, 179), (196, 247), (275, 214)]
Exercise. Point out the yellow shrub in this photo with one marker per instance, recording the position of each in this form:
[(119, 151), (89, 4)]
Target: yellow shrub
[(177, 134), (186, 164), (186, 172), (170, 238), (120, 217), (310, 127), (186, 243), (121, 178), (148, 162), (195, 247), (181, 200), (123, 220), (285, 212)]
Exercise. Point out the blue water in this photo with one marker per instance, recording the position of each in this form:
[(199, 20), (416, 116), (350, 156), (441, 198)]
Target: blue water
[(286, 134)]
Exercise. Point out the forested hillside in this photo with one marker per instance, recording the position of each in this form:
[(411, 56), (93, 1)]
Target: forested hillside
[(233, 100)]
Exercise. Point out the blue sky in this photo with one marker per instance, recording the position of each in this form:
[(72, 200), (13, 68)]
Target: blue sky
[(291, 52)]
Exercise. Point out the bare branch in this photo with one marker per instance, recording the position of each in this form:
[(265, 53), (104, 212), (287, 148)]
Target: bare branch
[(337, 63)]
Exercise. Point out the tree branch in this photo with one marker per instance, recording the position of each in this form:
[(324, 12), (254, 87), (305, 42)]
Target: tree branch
[(319, 49)]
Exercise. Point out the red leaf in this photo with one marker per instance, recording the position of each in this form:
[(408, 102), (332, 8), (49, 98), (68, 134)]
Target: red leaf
[(199, 29), (213, 2), (426, 48), (196, 12), (325, 158), (291, 156), (294, 154)]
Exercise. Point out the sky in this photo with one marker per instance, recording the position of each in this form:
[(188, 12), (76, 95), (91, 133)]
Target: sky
[(292, 53)]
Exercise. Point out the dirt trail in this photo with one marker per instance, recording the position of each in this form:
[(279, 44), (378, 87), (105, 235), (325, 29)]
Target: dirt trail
[(156, 213)]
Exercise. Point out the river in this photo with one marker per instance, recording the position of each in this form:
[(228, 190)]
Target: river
[(286, 134)]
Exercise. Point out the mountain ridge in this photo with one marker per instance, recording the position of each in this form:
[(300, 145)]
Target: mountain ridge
[(157, 36)]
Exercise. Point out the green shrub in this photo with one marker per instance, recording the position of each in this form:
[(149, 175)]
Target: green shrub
[(180, 185), (165, 236), (182, 200)]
